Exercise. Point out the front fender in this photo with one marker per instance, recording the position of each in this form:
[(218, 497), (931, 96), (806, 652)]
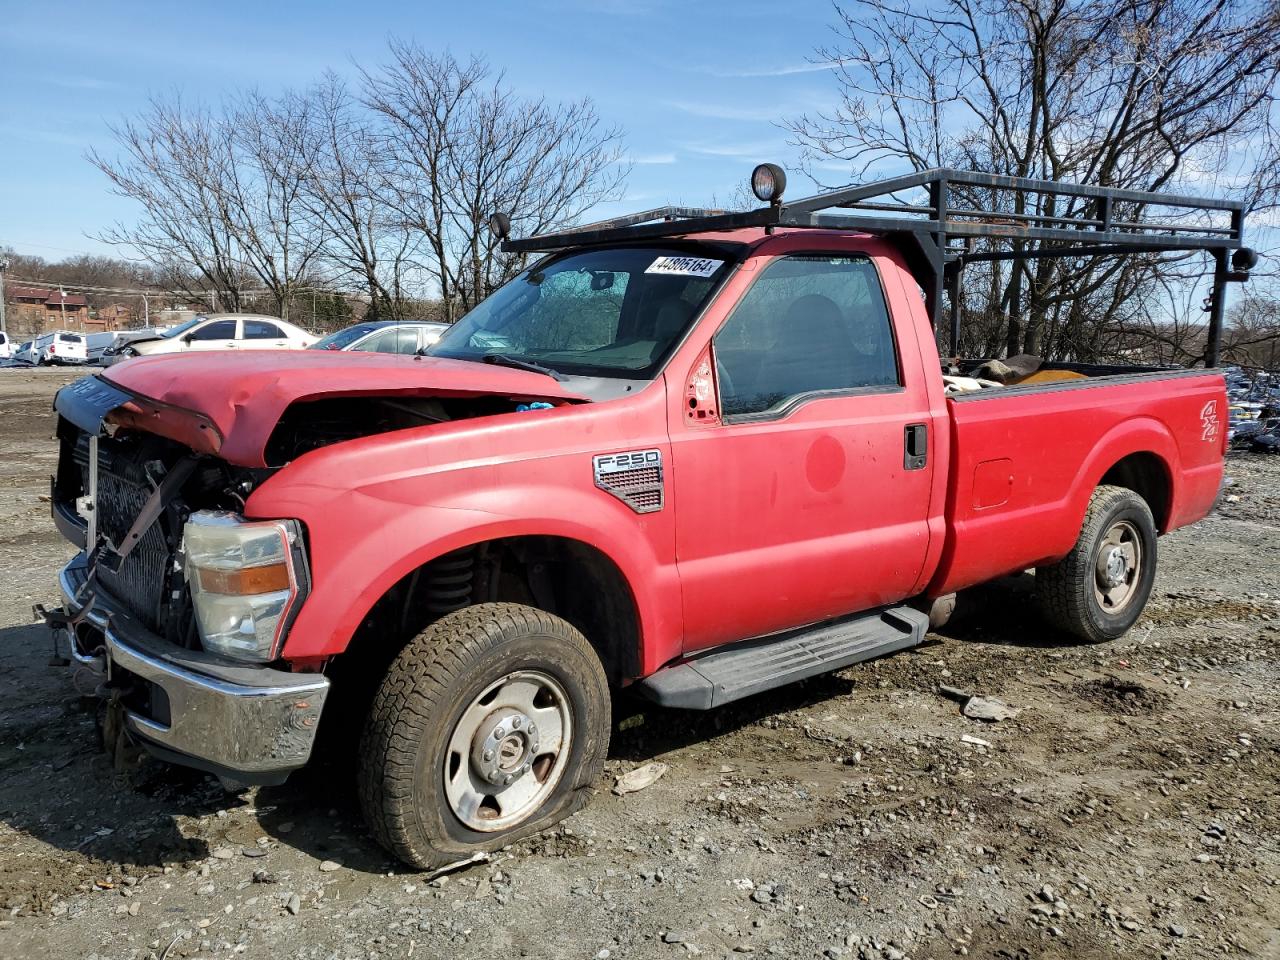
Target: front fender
[(365, 539)]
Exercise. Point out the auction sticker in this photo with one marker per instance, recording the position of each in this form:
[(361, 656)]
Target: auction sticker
[(685, 266)]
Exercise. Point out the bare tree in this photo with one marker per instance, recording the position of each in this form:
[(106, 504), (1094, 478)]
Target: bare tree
[(175, 160), (459, 146), (1252, 337), (273, 155), (390, 190), (345, 192), (1145, 94), (221, 197)]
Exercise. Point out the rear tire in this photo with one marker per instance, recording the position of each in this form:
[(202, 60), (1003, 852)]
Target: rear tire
[(1099, 590), (491, 724)]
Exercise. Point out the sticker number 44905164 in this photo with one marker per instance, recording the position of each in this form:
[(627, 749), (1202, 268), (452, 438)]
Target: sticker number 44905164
[(1209, 422)]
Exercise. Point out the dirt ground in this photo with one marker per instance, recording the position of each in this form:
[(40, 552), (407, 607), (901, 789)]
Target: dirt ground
[(1130, 809)]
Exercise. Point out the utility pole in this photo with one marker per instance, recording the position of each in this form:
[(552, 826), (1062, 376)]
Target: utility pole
[(4, 265), (62, 302)]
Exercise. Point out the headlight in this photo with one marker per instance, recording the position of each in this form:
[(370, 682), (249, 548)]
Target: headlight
[(246, 579)]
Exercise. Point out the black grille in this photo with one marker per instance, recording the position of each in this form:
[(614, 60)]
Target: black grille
[(143, 577), (140, 582)]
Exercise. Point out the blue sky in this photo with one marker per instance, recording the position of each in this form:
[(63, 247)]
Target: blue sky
[(697, 86)]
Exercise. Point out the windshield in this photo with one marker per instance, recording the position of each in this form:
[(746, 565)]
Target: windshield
[(344, 338), (606, 313), (182, 328)]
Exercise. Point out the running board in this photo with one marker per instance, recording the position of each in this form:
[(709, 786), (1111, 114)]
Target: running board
[(753, 666)]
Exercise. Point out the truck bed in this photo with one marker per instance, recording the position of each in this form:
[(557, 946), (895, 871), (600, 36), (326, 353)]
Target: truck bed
[(1025, 460)]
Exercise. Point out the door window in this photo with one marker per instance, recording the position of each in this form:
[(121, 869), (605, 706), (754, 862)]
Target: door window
[(218, 330), (261, 330), (808, 324), (382, 342), (407, 340)]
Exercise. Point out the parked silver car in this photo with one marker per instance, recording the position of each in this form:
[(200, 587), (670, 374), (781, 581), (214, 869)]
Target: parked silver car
[(384, 336)]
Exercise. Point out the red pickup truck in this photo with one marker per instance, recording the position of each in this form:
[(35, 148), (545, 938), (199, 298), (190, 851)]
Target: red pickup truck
[(695, 462)]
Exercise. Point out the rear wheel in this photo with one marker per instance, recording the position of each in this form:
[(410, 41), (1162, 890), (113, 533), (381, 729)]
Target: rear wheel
[(1098, 591), (490, 725)]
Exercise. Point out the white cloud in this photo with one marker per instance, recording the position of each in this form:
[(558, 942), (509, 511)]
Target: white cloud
[(783, 71), (758, 150), (38, 134), (649, 159), (71, 82), (764, 113)]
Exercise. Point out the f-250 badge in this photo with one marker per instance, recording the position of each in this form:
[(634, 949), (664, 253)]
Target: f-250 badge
[(634, 477)]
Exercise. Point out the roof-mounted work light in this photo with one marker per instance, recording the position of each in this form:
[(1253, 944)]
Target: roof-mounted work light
[(500, 225), (767, 182), (1244, 260)]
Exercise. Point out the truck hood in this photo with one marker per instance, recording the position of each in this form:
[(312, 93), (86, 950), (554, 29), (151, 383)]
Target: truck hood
[(228, 403)]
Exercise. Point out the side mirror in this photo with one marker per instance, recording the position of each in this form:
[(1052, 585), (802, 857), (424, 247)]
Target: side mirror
[(187, 338)]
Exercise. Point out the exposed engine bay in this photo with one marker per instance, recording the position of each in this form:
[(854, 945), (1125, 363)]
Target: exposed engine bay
[(312, 424)]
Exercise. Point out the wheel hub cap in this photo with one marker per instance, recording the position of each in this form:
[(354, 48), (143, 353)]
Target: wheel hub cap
[(504, 746), (508, 750), (1117, 569)]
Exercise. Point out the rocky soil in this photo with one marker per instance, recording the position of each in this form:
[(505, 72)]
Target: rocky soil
[(1131, 807)]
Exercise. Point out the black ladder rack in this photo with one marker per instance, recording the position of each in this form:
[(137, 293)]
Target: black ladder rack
[(1062, 219)]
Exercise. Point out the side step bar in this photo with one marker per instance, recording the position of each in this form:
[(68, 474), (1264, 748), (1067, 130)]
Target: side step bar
[(730, 673)]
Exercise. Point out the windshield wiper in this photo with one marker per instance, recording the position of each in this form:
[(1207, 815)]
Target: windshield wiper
[(505, 360)]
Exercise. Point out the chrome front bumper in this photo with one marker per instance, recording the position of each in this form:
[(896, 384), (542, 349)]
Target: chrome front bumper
[(247, 723)]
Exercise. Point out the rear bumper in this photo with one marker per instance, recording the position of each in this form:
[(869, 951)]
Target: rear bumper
[(247, 723)]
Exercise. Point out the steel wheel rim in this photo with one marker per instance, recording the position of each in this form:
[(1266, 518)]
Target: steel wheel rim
[(508, 751), (1117, 568)]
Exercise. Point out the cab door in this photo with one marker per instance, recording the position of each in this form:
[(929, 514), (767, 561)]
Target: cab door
[(809, 497)]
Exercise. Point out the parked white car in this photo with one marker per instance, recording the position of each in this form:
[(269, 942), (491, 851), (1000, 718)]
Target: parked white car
[(217, 331), (6, 346), (58, 348)]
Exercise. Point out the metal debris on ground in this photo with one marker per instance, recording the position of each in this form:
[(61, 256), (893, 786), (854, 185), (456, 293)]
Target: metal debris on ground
[(639, 778), (989, 708), (979, 708), (478, 857)]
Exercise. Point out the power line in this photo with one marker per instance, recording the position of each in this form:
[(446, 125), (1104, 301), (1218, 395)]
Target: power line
[(179, 294)]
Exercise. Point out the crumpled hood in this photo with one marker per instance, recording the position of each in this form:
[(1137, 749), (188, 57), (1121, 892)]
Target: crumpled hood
[(228, 402)]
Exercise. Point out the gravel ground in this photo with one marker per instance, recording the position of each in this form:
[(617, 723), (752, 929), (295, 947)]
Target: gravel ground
[(1130, 808)]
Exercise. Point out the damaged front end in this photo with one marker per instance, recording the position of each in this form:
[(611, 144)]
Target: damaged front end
[(132, 609), (177, 602)]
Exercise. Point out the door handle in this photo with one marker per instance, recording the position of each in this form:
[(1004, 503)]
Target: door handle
[(915, 446)]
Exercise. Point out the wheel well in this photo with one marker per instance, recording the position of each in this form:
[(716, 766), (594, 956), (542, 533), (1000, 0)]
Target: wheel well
[(1147, 476), (566, 577)]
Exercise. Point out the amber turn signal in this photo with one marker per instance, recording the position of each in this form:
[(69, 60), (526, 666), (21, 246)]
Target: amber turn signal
[(244, 580)]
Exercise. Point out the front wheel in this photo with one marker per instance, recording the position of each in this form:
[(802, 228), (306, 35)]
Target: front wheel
[(490, 725), (1098, 590)]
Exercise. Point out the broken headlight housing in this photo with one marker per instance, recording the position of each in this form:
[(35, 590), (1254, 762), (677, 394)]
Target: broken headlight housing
[(246, 579)]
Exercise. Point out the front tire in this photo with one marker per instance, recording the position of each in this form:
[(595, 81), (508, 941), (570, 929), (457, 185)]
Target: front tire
[(1098, 590), (491, 724)]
